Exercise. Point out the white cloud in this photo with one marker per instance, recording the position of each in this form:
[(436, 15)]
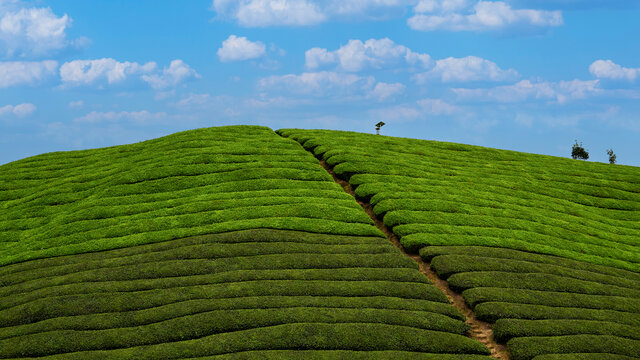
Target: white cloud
[(85, 72), (317, 83), (428, 6), (607, 69), (33, 31), (470, 68), (560, 92), (20, 110), (437, 107), (110, 71), (14, 73), (176, 73), (239, 48), (139, 117), (260, 13), (373, 53), (383, 91), (364, 8), (6, 110), (483, 16), (456, 15), (330, 84)]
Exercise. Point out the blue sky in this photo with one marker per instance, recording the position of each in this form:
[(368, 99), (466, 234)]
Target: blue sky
[(522, 75)]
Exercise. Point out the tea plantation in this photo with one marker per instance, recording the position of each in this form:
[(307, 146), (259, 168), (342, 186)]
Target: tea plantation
[(219, 243), (546, 248)]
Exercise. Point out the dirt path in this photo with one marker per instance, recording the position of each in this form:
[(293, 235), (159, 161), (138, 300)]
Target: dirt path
[(480, 330)]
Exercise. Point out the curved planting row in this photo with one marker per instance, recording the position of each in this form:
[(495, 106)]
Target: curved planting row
[(104, 256), (548, 249)]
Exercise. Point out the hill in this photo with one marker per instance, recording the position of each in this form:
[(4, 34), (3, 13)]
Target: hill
[(225, 242), (236, 242)]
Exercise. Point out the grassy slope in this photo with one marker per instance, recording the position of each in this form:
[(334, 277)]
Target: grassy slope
[(191, 183), (97, 262), (480, 214)]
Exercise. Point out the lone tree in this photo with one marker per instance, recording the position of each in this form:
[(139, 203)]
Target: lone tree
[(578, 152), (612, 156), (378, 126)]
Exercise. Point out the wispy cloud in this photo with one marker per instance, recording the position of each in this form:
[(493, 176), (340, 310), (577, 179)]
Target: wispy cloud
[(317, 83), (20, 110), (470, 68), (560, 92), (262, 13), (461, 15), (383, 91), (86, 72), (176, 73), (16, 73), (29, 32), (357, 55), (108, 71)]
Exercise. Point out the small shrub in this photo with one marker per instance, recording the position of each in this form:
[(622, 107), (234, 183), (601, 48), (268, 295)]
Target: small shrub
[(578, 152), (612, 156)]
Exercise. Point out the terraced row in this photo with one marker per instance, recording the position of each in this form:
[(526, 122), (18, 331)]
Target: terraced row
[(547, 248), (192, 183), (543, 304), (248, 291)]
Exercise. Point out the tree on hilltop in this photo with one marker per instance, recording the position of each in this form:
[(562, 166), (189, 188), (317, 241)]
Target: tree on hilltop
[(578, 152)]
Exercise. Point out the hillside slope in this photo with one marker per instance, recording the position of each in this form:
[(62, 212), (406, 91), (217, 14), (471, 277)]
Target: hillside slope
[(191, 183), (547, 248), (227, 242)]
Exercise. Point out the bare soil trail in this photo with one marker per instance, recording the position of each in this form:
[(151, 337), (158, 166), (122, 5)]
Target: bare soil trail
[(480, 330)]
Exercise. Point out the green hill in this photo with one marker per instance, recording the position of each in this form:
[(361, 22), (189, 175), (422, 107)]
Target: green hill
[(252, 251), (235, 242)]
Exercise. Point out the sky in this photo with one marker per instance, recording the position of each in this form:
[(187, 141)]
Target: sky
[(524, 75)]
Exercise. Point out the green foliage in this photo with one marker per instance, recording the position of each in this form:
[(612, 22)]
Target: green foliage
[(446, 265), (436, 193), (245, 291), (583, 356), (296, 336), (578, 152), (612, 156), (493, 311), (191, 183), (342, 355), (531, 262), (540, 245), (505, 329), (475, 296), (526, 348), (535, 281)]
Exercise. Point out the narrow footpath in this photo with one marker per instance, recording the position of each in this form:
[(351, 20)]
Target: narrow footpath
[(480, 330)]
